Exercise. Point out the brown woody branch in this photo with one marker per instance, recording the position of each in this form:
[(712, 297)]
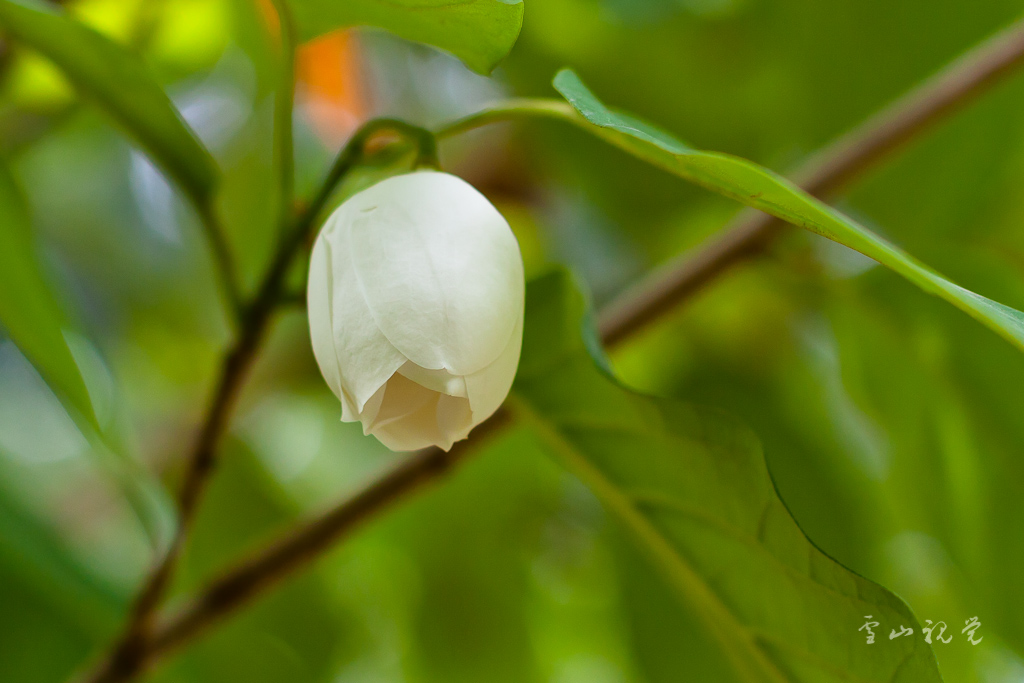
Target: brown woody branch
[(829, 170), (823, 174), (279, 560), (130, 650)]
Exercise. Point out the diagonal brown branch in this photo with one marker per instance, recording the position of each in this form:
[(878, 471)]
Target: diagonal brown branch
[(130, 650), (823, 174), (833, 167), (281, 559)]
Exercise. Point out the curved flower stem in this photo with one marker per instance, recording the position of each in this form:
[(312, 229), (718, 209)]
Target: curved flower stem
[(510, 110), (131, 649), (351, 155)]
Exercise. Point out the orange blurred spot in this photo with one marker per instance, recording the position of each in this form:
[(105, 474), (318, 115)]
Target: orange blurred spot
[(329, 84)]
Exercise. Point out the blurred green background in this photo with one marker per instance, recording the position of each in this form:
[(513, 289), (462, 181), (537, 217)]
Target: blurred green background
[(891, 422)]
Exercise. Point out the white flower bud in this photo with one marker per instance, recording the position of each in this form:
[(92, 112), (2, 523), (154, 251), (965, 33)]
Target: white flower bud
[(416, 309)]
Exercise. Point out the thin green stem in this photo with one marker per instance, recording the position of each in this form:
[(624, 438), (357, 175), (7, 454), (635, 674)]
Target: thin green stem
[(351, 155), (510, 110), (284, 101)]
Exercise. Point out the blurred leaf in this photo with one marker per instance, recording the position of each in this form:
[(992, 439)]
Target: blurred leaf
[(473, 544), (693, 489), (28, 311), (44, 566), (665, 640), (120, 83), (55, 609), (479, 32), (292, 635), (758, 187)]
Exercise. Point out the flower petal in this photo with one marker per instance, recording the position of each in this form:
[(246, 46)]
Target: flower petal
[(412, 416), (454, 419), (370, 409), (318, 305), (402, 397), (365, 357), (488, 388), (415, 431), (439, 380), (439, 267)]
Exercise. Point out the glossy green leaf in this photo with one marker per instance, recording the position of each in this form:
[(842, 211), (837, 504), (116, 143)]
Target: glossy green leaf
[(750, 184), (28, 311), (693, 489), (479, 32), (120, 83)]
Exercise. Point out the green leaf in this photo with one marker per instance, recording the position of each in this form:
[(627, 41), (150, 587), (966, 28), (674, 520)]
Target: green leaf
[(479, 32), (750, 184), (693, 489), (29, 313), (117, 80)]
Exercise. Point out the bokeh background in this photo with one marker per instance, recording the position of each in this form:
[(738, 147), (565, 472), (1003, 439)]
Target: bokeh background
[(891, 421)]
